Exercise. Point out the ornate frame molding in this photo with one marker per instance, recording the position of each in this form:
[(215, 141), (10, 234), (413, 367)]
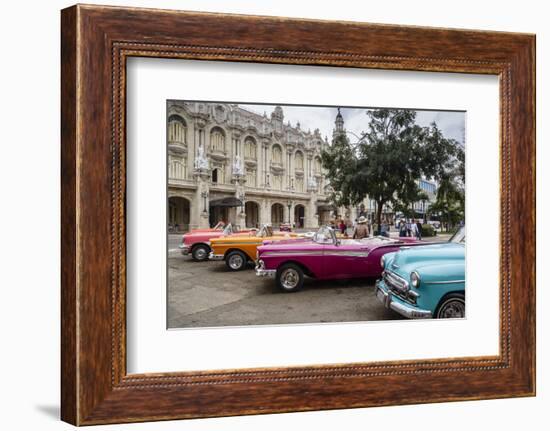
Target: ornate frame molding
[(96, 42)]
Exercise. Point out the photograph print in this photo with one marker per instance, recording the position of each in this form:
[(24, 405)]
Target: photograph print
[(297, 214)]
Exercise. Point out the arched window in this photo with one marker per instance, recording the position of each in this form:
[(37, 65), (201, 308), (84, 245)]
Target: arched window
[(178, 168), (217, 140), (277, 154), (317, 165), (177, 129), (217, 176), (299, 161), (250, 148)]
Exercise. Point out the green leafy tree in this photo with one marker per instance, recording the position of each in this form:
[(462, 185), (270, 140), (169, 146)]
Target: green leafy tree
[(450, 198), (389, 159)]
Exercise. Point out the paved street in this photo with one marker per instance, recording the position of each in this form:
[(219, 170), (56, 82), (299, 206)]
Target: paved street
[(204, 294)]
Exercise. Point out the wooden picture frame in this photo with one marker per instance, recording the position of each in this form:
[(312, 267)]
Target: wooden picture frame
[(95, 43)]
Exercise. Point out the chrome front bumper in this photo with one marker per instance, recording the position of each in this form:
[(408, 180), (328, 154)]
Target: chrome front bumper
[(184, 249), (262, 272), (399, 306), (213, 256)]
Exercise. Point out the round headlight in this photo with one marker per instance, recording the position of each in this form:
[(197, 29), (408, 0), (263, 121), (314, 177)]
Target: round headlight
[(382, 262), (415, 279)]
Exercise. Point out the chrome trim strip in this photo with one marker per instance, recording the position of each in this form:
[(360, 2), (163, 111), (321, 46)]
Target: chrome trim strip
[(344, 253), (410, 312), (444, 282), (291, 253), (347, 253), (405, 310), (222, 243), (395, 281), (261, 272), (213, 256)]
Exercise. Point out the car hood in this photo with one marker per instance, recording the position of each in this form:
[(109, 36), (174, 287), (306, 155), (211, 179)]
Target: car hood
[(416, 257)]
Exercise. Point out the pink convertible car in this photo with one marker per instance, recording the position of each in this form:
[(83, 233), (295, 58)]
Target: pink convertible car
[(325, 257)]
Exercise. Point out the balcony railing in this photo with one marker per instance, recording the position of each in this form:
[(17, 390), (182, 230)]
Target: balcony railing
[(177, 147)]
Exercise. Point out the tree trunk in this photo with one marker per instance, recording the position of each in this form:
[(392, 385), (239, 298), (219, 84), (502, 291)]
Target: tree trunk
[(379, 205)]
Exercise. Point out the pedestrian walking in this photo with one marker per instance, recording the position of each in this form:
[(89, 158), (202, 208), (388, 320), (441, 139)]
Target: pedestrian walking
[(402, 228), (361, 229)]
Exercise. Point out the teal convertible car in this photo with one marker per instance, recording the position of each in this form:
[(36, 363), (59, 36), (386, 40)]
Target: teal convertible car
[(427, 281)]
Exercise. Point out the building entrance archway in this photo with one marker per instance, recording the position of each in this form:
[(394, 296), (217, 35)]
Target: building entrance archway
[(299, 216), (277, 214), (178, 214), (252, 212)]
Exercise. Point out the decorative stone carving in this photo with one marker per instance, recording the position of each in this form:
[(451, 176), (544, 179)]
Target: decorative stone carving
[(312, 184), (201, 162), (219, 113), (238, 168)]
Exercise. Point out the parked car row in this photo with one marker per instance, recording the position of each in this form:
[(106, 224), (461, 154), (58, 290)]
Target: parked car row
[(414, 278), (197, 242)]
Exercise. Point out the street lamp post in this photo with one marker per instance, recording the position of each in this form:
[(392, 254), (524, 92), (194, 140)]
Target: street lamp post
[(241, 198), (204, 196)]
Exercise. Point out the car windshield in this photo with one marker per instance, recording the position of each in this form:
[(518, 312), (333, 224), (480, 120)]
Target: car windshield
[(324, 236), (228, 230), (265, 231), (459, 237)]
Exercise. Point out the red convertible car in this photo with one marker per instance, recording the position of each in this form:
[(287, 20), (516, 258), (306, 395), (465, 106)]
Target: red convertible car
[(325, 257)]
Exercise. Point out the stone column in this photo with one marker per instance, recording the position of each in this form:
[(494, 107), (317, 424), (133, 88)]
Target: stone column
[(286, 213), (265, 163), (289, 168), (292, 214), (262, 217), (199, 213), (312, 219), (191, 149), (239, 180)]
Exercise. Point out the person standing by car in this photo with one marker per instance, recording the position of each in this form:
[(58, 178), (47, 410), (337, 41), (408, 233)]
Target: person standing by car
[(384, 229), (342, 227), (414, 229), (402, 228), (362, 229), (418, 230)]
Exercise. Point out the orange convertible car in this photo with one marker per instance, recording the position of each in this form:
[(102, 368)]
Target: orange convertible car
[(238, 250)]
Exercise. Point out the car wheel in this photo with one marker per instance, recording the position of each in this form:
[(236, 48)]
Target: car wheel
[(452, 306), (290, 278), (235, 260), (200, 253)]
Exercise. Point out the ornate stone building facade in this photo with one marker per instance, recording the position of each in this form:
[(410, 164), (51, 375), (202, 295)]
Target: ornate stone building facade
[(228, 163)]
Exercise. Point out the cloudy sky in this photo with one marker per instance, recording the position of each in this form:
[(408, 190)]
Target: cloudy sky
[(452, 123)]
